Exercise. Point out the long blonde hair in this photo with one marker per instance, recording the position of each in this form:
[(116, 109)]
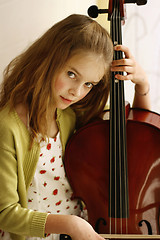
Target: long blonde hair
[(28, 78)]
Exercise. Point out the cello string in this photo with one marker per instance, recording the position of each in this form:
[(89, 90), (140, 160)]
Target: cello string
[(117, 166), (118, 187), (118, 157), (111, 138), (117, 160), (117, 136), (119, 126), (124, 151), (116, 92), (123, 141), (113, 142), (120, 131), (114, 133)]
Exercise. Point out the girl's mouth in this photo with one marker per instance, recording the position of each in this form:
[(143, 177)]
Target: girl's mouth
[(66, 101)]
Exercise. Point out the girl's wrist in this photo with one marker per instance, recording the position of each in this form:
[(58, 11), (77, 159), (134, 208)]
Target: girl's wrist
[(142, 87), (59, 224), (142, 90)]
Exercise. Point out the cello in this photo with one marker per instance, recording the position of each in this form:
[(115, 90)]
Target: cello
[(113, 165)]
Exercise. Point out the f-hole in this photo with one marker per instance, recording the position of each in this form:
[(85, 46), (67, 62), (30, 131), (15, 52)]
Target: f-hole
[(148, 226), (99, 221)]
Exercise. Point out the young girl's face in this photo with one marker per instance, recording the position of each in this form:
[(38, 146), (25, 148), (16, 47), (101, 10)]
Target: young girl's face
[(79, 75)]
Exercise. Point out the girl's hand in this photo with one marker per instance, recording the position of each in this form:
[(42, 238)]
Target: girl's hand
[(128, 64), (136, 74), (74, 226), (82, 230)]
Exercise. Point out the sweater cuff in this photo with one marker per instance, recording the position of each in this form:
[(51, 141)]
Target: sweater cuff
[(38, 224)]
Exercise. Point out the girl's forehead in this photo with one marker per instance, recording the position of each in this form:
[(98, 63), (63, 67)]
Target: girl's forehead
[(83, 54)]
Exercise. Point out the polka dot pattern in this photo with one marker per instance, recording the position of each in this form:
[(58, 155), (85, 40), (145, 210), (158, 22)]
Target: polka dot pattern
[(49, 190)]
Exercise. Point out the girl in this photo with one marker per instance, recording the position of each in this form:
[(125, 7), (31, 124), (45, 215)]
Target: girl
[(60, 81)]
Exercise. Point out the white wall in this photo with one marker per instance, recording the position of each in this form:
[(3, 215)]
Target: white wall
[(142, 36), (22, 21)]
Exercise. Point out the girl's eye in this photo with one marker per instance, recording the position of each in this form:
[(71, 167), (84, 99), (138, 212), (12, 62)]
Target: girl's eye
[(89, 85), (71, 74)]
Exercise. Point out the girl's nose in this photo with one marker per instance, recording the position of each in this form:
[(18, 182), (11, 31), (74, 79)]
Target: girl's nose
[(76, 91)]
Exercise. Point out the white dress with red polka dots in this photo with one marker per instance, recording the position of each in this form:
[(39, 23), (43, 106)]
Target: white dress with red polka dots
[(50, 190)]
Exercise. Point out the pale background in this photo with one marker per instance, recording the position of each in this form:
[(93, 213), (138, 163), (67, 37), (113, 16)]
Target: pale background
[(22, 21), (142, 36)]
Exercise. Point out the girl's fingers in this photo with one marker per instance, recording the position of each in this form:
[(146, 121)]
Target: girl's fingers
[(124, 49), (127, 69), (123, 61), (126, 64), (132, 70), (124, 77)]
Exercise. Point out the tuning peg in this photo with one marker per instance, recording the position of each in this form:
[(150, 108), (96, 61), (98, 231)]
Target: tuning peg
[(93, 11), (138, 2)]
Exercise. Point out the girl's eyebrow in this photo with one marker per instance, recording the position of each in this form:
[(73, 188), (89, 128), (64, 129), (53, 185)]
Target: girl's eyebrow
[(76, 71)]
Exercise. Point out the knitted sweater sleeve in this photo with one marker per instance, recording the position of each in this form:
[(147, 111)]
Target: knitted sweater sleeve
[(14, 215)]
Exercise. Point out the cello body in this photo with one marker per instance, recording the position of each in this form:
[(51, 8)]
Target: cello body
[(88, 173), (113, 165)]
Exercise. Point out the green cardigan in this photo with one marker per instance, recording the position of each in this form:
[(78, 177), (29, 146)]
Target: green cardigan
[(17, 168)]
